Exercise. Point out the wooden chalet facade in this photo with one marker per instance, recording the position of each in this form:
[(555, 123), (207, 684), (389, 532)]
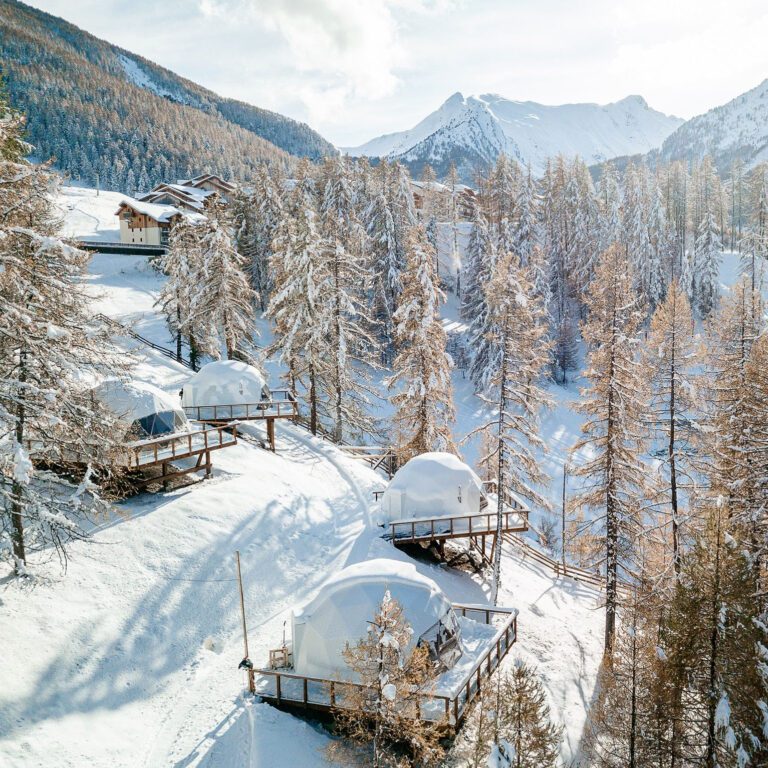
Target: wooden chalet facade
[(148, 219)]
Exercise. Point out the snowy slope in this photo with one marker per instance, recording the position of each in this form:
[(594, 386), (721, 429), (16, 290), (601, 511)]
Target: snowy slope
[(737, 130), (476, 129), (88, 214), (129, 659)]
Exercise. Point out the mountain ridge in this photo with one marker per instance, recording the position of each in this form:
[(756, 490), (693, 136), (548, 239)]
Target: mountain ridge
[(474, 130), (125, 113)]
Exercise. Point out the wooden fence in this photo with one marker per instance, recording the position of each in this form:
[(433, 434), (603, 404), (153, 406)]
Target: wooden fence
[(175, 446)]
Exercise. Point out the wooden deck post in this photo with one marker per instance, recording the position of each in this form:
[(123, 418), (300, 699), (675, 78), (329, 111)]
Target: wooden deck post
[(271, 434), (164, 470)]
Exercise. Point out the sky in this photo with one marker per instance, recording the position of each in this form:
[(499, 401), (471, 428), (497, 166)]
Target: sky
[(355, 69)]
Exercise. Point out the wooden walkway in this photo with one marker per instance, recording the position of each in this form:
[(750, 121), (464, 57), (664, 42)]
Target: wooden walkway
[(288, 690), (283, 405)]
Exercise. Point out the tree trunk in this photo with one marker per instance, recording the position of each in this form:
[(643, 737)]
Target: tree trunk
[(339, 429), (312, 400), (17, 489), (714, 646), (501, 470), (671, 448), (178, 332)]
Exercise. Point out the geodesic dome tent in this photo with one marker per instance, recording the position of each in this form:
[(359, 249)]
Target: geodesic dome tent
[(432, 485), (145, 410), (341, 611), (225, 382)]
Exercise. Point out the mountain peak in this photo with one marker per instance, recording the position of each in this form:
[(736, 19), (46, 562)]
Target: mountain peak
[(474, 130)]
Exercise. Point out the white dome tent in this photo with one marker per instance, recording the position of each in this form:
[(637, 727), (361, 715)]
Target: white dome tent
[(341, 611), (145, 410), (432, 485), (224, 383)]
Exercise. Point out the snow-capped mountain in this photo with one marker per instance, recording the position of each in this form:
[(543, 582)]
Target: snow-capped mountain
[(736, 130), (476, 129)]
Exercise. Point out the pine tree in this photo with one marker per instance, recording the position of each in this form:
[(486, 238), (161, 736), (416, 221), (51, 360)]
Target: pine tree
[(49, 346), (715, 642), (381, 718), (515, 388), (422, 367), (669, 360), (256, 213), (614, 474)]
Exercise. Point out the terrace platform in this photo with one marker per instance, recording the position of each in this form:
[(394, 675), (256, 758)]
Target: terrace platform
[(487, 635)]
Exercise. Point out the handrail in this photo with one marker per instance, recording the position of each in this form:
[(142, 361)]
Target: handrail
[(162, 350), (453, 530), (228, 412), (152, 447), (453, 711), (572, 571)]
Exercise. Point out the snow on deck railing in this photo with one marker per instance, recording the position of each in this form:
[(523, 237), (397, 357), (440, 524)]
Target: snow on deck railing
[(264, 409), (178, 445), (291, 689), (483, 524)]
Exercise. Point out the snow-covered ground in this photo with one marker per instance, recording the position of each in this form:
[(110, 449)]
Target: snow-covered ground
[(130, 658)]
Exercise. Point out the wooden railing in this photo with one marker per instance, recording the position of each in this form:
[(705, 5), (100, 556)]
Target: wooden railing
[(484, 524), (144, 453), (558, 568), (264, 409), (291, 689), (123, 329)]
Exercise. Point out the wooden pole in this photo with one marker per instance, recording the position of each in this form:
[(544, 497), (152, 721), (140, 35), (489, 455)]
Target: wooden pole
[(251, 683)]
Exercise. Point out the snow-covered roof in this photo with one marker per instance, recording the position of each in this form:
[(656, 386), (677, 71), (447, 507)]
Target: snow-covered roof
[(340, 613), (432, 485), (161, 213), (203, 177), (224, 382), (145, 409)]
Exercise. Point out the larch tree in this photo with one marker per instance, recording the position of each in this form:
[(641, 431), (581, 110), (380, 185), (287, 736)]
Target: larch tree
[(49, 347), (715, 641), (301, 286), (728, 456), (381, 717), (515, 389), (351, 349), (670, 358), (524, 719), (180, 262), (422, 368), (222, 302), (614, 474)]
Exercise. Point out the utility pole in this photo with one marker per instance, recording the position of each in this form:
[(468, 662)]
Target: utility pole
[(562, 532), (246, 663)]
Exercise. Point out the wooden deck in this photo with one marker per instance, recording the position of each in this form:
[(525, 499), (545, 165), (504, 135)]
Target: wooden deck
[(288, 690), (283, 405), (466, 526)]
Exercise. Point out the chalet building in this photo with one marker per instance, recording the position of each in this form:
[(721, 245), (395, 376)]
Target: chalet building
[(148, 223), (465, 196), (147, 220)]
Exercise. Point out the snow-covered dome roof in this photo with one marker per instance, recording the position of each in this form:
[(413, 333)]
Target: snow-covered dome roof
[(340, 613), (432, 485), (224, 382), (146, 410)]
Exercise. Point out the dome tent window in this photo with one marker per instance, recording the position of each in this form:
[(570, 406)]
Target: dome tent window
[(144, 410), (348, 602)]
